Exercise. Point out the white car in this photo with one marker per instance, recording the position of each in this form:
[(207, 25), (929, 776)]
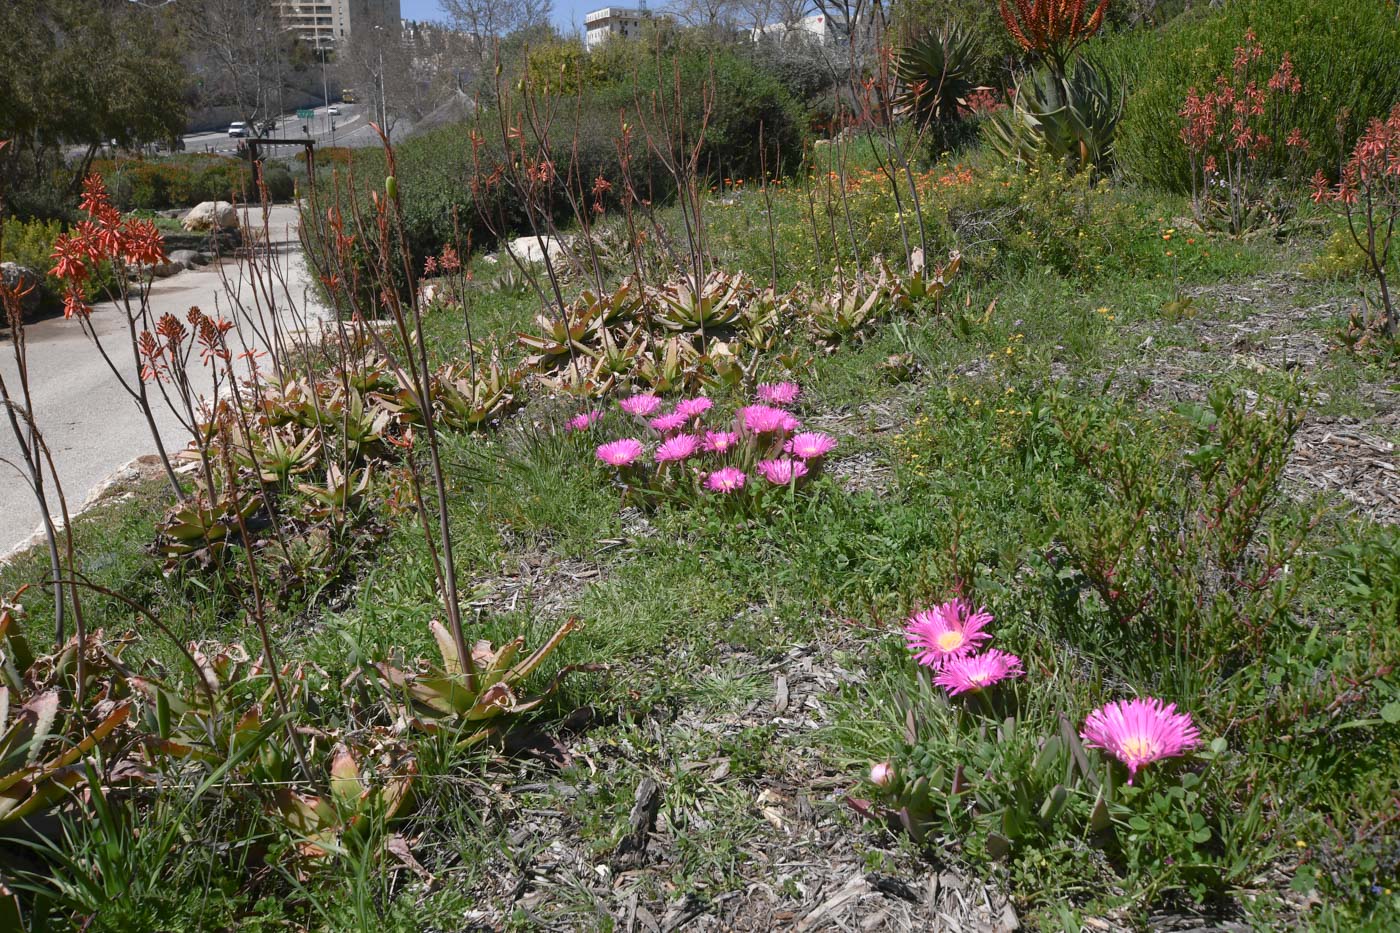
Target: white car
[(333, 111), (237, 130)]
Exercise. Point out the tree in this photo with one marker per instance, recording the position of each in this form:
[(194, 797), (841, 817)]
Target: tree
[(485, 20), (243, 52), (81, 73)]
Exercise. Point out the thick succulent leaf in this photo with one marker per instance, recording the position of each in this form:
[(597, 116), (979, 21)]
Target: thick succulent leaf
[(346, 786)]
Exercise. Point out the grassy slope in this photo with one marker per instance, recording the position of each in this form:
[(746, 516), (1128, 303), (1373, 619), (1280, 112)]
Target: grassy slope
[(698, 615)]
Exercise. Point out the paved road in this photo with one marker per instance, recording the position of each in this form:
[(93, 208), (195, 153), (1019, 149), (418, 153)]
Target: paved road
[(91, 425), (351, 128)]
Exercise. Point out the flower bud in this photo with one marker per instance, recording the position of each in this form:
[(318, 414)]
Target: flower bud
[(882, 774)]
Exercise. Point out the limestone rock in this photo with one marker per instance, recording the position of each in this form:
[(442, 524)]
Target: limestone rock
[(211, 215)]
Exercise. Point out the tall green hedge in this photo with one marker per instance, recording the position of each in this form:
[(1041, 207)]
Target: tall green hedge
[(1347, 53)]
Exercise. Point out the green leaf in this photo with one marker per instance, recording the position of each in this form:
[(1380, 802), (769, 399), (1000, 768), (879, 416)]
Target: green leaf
[(1201, 836), (1391, 712), (1139, 824)]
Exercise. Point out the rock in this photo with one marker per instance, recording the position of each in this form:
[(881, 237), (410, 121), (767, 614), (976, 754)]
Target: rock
[(211, 215), (187, 258), (161, 270), (427, 291), (25, 279), (528, 248)]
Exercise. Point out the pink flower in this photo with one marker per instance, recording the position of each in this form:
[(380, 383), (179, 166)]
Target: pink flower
[(1140, 731), (584, 421), (640, 405), (972, 672), (781, 394), (762, 419), (718, 442), (677, 447), (693, 407), (727, 479), (668, 423), (810, 445), (782, 471), (620, 453), (945, 632), (882, 774)]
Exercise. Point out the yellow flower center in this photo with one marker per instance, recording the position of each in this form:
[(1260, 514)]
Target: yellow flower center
[(1139, 747), (950, 641)]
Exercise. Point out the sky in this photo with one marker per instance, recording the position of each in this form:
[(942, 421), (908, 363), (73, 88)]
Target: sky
[(568, 14)]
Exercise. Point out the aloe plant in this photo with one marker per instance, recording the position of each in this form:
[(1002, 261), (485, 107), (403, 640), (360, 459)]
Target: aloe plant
[(371, 784), (1072, 120), (717, 303), (473, 400), (439, 698), (46, 739)]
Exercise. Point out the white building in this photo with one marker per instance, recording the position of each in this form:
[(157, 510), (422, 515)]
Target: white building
[(816, 28), (326, 23), (602, 25)]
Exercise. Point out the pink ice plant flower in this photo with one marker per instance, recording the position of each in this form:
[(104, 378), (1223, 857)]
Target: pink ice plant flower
[(726, 479), (973, 672), (810, 445), (677, 447), (640, 405), (763, 419), (669, 422), (1140, 731), (584, 421), (782, 394), (947, 631), (694, 407), (620, 453), (718, 442), (782, 470)]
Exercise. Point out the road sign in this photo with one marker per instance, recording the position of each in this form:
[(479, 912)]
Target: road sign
[(305, 114)]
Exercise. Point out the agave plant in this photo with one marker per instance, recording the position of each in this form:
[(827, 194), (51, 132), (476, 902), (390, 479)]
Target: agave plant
[(511, 283), (719, 302), (1073, 119), (444, 698), (935, 72), (46, 739)]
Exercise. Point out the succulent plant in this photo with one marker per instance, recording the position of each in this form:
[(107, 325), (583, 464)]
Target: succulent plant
[(471, 401), (46, 738), (442, 698), (199, 531), (370, 784), (719, 302), (1072, 120), (935, 71)]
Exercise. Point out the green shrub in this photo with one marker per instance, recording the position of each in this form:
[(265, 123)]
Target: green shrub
[(186, 180), (30, 243), (1343, 50)]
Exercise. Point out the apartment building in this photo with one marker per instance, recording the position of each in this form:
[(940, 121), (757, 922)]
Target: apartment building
[(612, 22), (327, 23)]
